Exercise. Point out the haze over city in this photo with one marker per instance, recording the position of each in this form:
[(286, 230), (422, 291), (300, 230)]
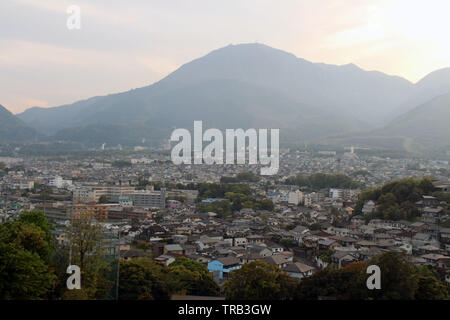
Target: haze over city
[(259, 152)]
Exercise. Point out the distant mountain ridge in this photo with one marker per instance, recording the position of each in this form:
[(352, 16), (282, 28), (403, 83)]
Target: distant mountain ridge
[(432, 85), (427, 125), (12, 129), (246, 85)]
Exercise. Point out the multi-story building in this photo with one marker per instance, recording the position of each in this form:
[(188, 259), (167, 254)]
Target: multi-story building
[(59, 182), (88, 194), (23, 184), (336, 193), (99, 211), (295, 197), (121, 213), (148, 199)]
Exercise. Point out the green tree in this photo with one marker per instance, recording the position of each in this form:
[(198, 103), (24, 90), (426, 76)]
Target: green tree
[(89, 249), (38, 219), (400, 280), (189, 277), (396, 199), (266, 204), (142, 279), (25, 247), (23, 274), (397, 277), (345, 283), (259, 280), (429, 286)]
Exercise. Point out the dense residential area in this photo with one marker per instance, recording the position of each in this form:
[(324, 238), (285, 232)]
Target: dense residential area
[(218, 159), (204, 230)]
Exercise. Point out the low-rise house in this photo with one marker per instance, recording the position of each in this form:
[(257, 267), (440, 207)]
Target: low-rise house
[(275, 248), (260, 250), (433, 258), (417, 226), (444, 263), (421, 239), (342, 258), (254, 238), (250, 257), (174, 249), (343, 232), (279, 260), (365, 244), (298, 270), (428, 249), (325, 244), (132, 254), (444, 235), (223, 266), (165, 259), (240, 242), (430, 201), (344, 241)]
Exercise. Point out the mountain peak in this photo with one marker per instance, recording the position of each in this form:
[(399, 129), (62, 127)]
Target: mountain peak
[(352, 66), (253, 48), (441, 76), (3, 110), (244, 85), (12, 128)]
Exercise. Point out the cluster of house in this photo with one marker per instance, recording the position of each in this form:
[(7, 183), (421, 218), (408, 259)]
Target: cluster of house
[(300, 236), (224, 246), (221, 254)]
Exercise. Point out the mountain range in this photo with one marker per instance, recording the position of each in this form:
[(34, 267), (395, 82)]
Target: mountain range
[(256, 86), (12, 129)]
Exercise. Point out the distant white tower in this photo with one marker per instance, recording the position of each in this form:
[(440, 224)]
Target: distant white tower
[(103, 146), (352, 149)]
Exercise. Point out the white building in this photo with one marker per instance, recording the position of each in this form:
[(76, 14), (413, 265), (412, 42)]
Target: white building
[(141, 161), (336, 193), (59, 182), (23, 185), (295, 197)]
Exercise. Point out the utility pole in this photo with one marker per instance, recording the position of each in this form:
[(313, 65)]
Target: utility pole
[(118, 266)]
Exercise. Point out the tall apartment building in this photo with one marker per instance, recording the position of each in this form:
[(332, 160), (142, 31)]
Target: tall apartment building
[(86, 194), (295, 197), (59, 182), (99, 211), (336, 193), (55, 212), (148, 199)]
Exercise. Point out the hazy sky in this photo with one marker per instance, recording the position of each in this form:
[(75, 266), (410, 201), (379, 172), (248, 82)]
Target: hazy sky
[(132, 43)]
